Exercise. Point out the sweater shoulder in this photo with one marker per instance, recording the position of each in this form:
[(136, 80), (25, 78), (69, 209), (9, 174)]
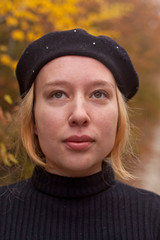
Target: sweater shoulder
[(14, 190), (133, 189), (138, 194)]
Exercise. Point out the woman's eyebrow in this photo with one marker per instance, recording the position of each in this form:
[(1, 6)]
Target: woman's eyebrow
[(103, 83), (95, 83), (57, 83)]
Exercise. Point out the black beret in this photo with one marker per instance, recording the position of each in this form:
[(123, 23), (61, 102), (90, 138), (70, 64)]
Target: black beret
[(81, 43)]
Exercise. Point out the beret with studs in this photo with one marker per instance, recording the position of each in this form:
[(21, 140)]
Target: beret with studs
[(81, 43)]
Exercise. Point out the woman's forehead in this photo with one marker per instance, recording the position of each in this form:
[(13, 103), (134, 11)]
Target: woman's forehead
[(70, 69)]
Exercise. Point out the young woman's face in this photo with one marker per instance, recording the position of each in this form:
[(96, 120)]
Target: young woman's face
[(76, 114)]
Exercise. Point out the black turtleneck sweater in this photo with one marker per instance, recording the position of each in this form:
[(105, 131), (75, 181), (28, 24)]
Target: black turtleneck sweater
[(96, 207)]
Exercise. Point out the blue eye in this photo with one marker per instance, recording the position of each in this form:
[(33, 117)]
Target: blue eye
[(58, 95), (99, 94)]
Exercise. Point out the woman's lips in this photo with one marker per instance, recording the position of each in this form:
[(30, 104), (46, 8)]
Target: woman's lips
[(79, 143)]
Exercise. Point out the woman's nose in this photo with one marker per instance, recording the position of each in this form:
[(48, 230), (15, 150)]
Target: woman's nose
[(79, 116)]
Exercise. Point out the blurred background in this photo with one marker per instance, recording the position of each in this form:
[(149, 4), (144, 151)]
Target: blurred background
[(133, 24)]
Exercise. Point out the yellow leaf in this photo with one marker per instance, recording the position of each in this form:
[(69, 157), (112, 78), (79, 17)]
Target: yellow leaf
[(5, 7), (18, 35), (7, 158), (2, 148), (24, 25), (11, 21), (31, 36), (3, 154), (8, 99), (12, 158), (13, 65), (5, 59)]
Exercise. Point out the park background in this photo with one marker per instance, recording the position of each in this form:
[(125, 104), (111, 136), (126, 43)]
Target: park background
[(133, 24)]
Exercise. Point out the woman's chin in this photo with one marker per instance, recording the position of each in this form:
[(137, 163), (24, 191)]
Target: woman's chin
[(78, 168)]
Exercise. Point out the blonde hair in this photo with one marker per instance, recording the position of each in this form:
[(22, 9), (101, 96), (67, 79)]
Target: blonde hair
[(29, 140), (122, 142)]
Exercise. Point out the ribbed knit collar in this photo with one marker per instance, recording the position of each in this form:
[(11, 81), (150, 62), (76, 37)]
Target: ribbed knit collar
[(67, 187)]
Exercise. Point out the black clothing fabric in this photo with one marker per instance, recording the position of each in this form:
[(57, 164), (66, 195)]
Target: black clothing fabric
[(96, 207)]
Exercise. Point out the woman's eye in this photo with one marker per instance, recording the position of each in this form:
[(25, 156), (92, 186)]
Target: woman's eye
[(99, 94), (58, 95)]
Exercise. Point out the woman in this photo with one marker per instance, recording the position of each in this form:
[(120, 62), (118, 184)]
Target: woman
[(73, 117)]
